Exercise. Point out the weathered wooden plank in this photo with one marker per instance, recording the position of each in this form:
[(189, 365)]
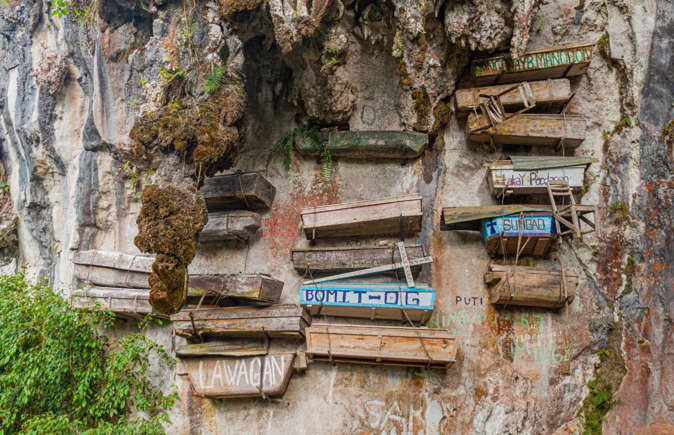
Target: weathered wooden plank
[(220, 378), (548, 94), (503, 177), (275, 321), (393, 216), (423, 347), (547, 63), (501, 234), (230, 348), (529, 286), (372, 300), (113, 269), (337, 260), (230, 225), (535, 129), (249, 190), (367, 144), (258, 289)]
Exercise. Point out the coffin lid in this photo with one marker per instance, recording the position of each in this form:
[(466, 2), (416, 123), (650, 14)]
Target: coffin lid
[(523, 163), (468, 218)]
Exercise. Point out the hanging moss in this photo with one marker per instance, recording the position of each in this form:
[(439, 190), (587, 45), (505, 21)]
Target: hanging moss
[(421, 108)]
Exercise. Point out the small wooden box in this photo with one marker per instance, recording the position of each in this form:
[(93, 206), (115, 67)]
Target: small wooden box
[(249, 191)]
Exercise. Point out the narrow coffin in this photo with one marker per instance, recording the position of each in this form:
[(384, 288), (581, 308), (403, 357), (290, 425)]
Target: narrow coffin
[(367, 144), (535, 129), (548, 94), (547, 63), (284, 321), (231, 347), (530, 175), (386, 345), (257, 289), (393, 216), (336, 260), (230, 225), (249, 191), (113, 269), (393, 301), (530, 286), (255, 376)]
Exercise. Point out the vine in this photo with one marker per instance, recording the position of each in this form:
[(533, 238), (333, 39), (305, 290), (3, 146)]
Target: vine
[(285, 145)]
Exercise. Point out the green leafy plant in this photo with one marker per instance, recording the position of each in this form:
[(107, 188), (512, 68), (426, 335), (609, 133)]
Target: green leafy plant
[(143, 82), (4, 186), (58, 374), (285, 145), (215, 79), (325, 159), (83, 11), (169, 75)]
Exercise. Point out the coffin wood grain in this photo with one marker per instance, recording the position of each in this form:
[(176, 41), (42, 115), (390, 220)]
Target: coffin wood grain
[(257, 289), (536, 246), (392, 216), (249, 191), (218, 348), (113, 269), (336, 260), (381, 345), (230, 225), (367, 144), (548, 94)]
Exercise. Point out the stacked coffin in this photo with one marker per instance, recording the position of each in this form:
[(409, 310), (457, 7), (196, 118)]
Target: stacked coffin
[(335, 296)]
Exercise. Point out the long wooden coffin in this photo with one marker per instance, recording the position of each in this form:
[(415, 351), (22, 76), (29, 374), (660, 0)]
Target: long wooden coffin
[(387, 345), (336, 260), (393, 301), (127, 302), (534, 233), (255, 289), (530, 175), (249, 191), (367, 144), (254, 376), (233, 347), (547, 63), (392, 216), (535, 129), (113, 269), (547, 93), (530, 286), (284, 321), (230, 225)]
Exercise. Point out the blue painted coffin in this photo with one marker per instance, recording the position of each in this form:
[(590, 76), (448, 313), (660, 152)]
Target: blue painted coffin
[(371, 300), (509, 226)]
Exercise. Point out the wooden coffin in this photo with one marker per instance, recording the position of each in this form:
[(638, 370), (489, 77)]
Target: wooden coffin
[(547, 63), (254, 376), (535, 233), (230, 225), (232, 348), (529, 286), (126, 302), (387, 345), (113, 269), (393, 301), (530, 175), (248, 191), (548, 94), (255, 289), (283, 321), (336, 260), (367, 144), (535, 129), (393, 216)]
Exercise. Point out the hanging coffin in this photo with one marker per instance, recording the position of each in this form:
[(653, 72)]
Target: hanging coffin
[(256, 289), (393, 216), (534, 129), (530, 286), (385, 345), (393, 301), (230, 225), (283, 321), (255, 376), (530, 175), (233, 347), (548, 94), (125, 302), (113, 269), (249, 191), (366, 144), (336, 260), (533, 233), (547, 63)]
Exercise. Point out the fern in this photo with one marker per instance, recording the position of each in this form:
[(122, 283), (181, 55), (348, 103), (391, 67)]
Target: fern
[(285, 145), (215, 79), (325, 160)]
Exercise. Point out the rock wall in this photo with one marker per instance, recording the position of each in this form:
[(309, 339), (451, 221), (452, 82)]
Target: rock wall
[(70, 92)]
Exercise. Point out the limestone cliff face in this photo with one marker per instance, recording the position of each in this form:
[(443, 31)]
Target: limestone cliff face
[(70, 94)]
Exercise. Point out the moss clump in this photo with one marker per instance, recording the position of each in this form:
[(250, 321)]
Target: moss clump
[(168, 224), (421, 108), (404, 75), (230, 7), (441, 113), (620, 212)]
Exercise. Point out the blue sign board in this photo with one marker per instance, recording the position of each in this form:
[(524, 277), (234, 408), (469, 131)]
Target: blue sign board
[(510, 226)]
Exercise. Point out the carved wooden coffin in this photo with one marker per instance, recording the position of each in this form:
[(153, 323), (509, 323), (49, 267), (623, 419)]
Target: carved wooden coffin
[(249, 191), (530, 175), (547, 63), (284, 321), (548, 94), (534, 233), (230, 225), (127, 302), (254, 376), (336, 260), (535, 129), (387, 345), (367, 144), (256, 289), (113, 269), (530, 286), (393, 216), (372, 300)]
